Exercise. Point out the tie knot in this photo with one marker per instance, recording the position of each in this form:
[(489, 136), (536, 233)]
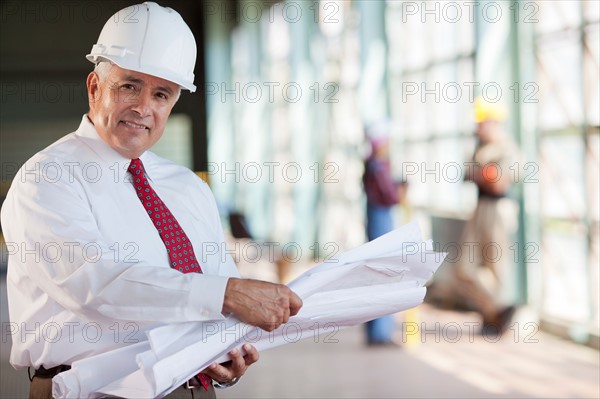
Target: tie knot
[(136, 167)]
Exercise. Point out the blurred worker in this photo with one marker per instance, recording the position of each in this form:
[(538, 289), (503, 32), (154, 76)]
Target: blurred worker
[(482, 272), (127, 229), (383, 193)]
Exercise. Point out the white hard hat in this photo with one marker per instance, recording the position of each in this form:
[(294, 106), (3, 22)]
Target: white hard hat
[(150, 39), (379, 130)]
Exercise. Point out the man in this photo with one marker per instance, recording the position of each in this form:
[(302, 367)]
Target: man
[(109, 238), (383, 193), (483, 281)]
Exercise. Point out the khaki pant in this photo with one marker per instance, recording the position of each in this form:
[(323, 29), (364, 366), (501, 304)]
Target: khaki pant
[(41, 388), (484, 276)]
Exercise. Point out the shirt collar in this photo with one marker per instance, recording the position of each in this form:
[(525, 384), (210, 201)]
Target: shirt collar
[(88, 133)]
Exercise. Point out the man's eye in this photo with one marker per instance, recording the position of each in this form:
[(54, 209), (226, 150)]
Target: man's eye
[(162, 96), (128, 86)]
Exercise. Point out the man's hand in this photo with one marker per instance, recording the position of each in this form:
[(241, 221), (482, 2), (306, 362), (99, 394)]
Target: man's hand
[(234, 368), (490, 179), (260, 303)]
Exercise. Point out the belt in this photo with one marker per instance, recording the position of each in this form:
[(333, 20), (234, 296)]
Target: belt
[(43, 372), (491, 196), (193, 383)]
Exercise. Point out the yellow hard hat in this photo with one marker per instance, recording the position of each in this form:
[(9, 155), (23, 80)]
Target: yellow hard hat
[(486, 111)]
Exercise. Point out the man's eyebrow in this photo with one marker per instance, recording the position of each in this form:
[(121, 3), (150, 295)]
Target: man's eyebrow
[(130, 78), (166, 89), (133, 79)]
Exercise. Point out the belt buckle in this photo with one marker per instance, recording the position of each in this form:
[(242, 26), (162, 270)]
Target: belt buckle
[(189, 386)]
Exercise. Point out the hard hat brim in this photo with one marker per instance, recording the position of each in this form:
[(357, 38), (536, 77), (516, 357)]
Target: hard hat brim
[(163, 74)]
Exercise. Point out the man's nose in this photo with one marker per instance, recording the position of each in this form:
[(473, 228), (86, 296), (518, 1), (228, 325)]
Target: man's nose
[(141, 104)]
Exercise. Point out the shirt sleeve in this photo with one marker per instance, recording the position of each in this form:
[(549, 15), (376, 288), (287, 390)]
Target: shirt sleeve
[(59, 253)]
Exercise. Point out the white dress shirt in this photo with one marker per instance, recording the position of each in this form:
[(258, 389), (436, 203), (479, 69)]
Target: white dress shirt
[(87, 269)]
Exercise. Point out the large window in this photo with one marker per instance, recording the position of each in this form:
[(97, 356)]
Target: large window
[(431, 88), (567, 61)]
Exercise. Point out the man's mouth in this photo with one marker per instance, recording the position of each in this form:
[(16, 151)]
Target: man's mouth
[(134, 125)]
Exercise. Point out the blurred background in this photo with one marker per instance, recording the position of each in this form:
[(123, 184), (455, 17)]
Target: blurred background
[(277, 128)]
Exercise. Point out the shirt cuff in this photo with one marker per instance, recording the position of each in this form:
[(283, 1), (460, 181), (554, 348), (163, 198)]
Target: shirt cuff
[(206, 297)]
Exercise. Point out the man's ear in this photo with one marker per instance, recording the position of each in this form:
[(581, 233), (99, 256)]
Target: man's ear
[(93, 87)]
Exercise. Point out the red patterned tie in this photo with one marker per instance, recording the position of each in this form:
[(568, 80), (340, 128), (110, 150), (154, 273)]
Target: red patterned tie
[(179, 247)]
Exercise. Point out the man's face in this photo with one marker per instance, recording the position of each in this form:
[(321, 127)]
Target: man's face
[(130, 109), (487, 131)]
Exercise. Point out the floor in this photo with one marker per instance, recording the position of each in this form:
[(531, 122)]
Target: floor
[(440, 356)]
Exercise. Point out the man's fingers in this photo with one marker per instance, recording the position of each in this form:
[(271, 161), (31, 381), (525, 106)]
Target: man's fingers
[(218, 372), (286, 315), (238, 364), (251, 354), (272, 326), (260, 303), (289, 305), (295, 304), (236, 367)]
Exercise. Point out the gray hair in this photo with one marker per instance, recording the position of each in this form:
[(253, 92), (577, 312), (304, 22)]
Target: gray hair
[(102, 68)]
